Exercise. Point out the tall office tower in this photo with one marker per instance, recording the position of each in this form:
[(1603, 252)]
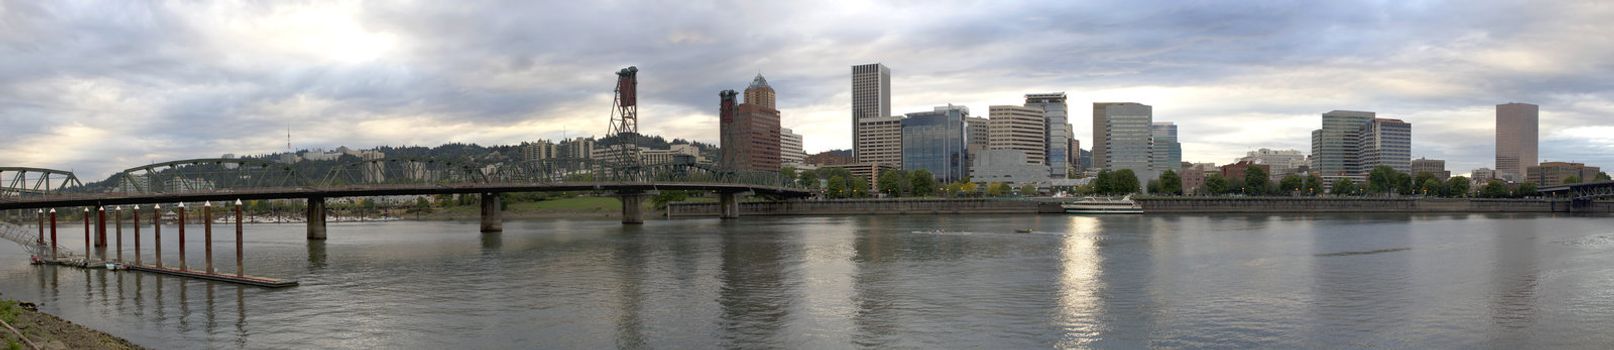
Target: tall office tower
[(1385, 142), (1334, 148), (871, 98), (1076, 155), (1517, 137), (935, 141), (790, 151), (1020, 128), (1167, 150), (750, 131), (1057, 119), (1122, 138)]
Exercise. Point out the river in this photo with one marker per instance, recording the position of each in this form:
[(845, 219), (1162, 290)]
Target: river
[(1326, 281)]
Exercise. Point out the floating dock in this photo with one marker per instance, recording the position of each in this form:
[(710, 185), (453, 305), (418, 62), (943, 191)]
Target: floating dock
[(232, 278)]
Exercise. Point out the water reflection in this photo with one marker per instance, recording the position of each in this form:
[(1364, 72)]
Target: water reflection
[(629, 302), (1362, 300), (755, 297), (316, 256), (1079, 300), (1515, 276)]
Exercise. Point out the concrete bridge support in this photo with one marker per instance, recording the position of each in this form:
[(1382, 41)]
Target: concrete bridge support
[(632, 207), (316, 218), (492, 219), (729, 205)]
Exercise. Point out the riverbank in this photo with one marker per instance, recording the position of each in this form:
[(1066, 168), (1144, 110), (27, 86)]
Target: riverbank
[(48, 332)]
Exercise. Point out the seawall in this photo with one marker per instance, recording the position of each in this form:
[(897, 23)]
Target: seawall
[(900, 206), (1362, 205), (1151, 205)]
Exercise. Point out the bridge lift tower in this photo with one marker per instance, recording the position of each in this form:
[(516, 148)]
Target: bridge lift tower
[(625, 119)]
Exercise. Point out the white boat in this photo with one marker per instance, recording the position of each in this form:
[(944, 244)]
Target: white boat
[(1091, 205)]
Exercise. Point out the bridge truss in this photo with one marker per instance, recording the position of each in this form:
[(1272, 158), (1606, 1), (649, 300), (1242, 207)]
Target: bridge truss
[(20, 182)]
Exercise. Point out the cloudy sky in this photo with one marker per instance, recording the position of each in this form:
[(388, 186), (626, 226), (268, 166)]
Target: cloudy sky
[(97, 87)]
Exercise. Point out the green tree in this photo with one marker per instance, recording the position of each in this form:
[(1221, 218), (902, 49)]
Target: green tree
[(891, 183), (1314, 185), (1381, 180), (1216, 184), (1256, 181), (923, 182), (1603, 176), (1423, 177), (1125, 182), (1457, 186), (1431, 186), (836, 187), (1525, 190), (1572, 179), (1494, 189), (1404, 184), (1153, 186), (968, 188), (807, 179), (1103, 183), (1291, 184), (1170, 183), (997, 189), (788, 172), (859, 187), (1343, 187), (1028, 190), (662, 199)]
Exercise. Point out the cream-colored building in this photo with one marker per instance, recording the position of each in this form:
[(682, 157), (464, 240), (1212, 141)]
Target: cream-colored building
[(790, 151), (880, 141), (1019, 128)]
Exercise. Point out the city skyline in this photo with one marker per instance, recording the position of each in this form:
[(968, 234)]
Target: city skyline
[(198, 80)]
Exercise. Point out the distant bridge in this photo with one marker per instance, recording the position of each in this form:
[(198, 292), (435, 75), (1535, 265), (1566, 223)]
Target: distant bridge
[(1581, 195), (215, 179)]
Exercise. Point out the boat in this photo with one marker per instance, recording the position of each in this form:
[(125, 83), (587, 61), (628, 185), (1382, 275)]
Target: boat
[(1024, 230), (1092, 205)]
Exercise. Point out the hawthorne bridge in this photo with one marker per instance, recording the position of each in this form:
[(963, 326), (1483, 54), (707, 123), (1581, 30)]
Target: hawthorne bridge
[(160, 191)]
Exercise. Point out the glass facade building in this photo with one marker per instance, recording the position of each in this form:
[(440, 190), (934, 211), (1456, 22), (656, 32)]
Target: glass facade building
[(1057, 129), (937, 142)]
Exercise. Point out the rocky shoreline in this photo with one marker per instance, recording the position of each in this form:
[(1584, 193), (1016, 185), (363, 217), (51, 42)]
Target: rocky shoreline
[(44, 331)]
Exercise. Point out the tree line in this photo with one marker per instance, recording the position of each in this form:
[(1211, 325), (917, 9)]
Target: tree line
[(1382, 180)]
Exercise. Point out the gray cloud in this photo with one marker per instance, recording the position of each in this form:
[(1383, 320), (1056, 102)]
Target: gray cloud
[(117, 85)]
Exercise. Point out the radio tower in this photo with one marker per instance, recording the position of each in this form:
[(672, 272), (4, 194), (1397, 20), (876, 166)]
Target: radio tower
[(625, 118)]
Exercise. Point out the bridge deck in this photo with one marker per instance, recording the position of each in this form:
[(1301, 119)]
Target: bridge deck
[(122, 198)]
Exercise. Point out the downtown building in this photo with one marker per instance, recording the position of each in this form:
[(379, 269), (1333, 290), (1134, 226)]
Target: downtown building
[(1123, 138), (1167, 151), (1517, 139), (1019, 128), (1283, 162), (790, 151), (1057, 131), (1351, 143), (873, 140), (749, 131), (937, 141), (1434, 167), (1559, 173)]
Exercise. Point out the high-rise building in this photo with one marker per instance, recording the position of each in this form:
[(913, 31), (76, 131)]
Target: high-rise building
[(1123, 139), (1056, 116), (1076, 155), (1334, 147), (880, 141), (1386, 142), (871, 98), (750, 131), (541, 150), (1434, 167), (980, 132), (1517, 138), (935, 141), (790, 151), (1020, 128), (1167, 150), (1559, 173)]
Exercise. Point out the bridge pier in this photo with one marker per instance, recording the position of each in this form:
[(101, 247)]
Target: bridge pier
[(316, 218), (492, 218), (632, 207), (729, 204)]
